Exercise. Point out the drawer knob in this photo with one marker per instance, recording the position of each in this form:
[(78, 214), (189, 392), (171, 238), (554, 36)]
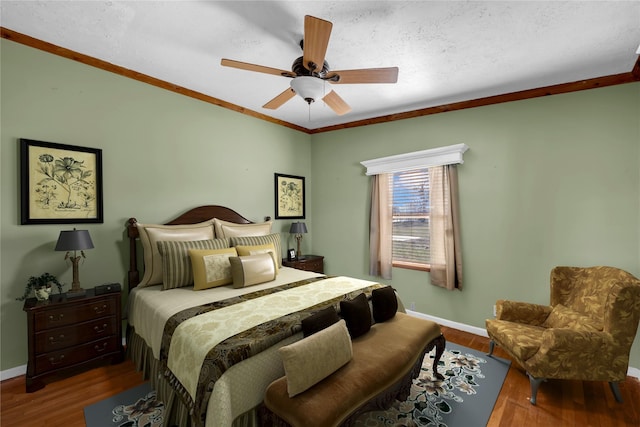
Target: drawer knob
[(99, 310), (56, 318), (53, 340), (100, 349), (53, 360), (99, 330)]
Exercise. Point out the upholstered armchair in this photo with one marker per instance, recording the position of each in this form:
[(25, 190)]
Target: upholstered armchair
[(585, 334)]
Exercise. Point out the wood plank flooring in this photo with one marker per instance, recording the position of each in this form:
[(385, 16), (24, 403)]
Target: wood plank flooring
[(560, 403)]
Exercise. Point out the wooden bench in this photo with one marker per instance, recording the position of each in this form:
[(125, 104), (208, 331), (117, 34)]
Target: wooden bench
[(385, 361)]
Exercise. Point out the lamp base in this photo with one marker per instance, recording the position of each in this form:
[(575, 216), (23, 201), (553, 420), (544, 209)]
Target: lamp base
[(75, 293)]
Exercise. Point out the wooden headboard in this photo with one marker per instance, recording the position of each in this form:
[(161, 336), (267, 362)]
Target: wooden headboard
[(193, 216)]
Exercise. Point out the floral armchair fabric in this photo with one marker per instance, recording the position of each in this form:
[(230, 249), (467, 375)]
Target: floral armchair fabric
[(585, 334)]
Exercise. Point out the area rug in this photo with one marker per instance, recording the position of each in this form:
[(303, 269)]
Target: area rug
[(464, 398), (136, 407)]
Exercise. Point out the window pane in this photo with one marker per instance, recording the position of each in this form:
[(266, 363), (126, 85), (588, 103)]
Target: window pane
[(411, 216)]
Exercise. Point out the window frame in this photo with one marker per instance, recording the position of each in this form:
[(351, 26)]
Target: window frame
[(409, 265)]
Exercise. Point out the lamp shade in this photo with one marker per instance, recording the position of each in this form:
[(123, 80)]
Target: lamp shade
[(308, 87), (298, 228), (74, 240)]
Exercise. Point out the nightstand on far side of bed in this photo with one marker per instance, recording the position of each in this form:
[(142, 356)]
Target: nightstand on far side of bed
[(313, 263)]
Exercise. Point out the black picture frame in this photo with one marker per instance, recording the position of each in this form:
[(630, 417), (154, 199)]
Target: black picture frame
[(291, 254), (60, 183), (289, 196)]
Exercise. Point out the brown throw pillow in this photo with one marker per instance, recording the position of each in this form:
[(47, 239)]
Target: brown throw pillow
[(384, 304), (320, 320), (357, 315)]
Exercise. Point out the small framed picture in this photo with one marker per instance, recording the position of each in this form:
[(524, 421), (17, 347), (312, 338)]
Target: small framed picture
[(289, 196), (291, 254)]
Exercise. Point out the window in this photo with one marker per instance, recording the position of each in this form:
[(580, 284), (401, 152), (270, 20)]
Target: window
[(414, 215), (411, 219)]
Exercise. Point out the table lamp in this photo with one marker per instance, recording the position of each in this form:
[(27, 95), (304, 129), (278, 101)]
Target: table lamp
[(298, 228), (75, 240)]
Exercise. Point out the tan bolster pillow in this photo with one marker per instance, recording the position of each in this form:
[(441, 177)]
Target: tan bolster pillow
[(310, 360), (252, 269)]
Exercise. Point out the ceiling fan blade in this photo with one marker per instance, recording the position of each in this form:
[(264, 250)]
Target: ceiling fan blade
[(337, 104), (365, 75), (279, 100), (258, 68), (316, 39)]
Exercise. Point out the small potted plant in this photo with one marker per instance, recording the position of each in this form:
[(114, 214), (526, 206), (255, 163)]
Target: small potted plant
[(41, 286)]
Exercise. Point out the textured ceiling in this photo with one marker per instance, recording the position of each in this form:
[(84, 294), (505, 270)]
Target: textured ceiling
[(446, 51)]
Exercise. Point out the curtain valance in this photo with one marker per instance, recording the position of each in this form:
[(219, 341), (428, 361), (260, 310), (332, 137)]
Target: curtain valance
[(440, 156)]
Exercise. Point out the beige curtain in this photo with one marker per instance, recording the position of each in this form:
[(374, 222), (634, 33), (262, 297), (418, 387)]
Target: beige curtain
[(446, 257), (380, 226)]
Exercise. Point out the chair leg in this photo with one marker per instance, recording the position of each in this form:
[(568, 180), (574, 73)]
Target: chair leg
[(616, 391), (535, 383), (492, 345)]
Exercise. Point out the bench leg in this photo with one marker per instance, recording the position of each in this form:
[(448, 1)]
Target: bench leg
[(439, 343)]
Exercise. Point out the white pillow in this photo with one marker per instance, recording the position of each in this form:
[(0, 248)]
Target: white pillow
[(232, 229), (151, 234), (312, 359)]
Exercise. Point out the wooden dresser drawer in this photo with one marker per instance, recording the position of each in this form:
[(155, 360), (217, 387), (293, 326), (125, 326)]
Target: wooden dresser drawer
[(69, 356), (62, 316), (313, 263), (68, 336)]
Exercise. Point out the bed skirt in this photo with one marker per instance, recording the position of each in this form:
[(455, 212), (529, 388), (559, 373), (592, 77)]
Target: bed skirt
[(176, 413)]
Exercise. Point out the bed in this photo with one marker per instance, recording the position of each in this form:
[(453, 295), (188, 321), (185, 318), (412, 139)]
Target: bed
[(211, 352)]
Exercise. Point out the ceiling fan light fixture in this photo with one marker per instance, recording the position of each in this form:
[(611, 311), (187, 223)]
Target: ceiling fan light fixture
[(309, 88)]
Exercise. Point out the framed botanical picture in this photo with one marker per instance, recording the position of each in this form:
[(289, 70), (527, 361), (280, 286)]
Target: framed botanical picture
[(289, 194), (60, 184)]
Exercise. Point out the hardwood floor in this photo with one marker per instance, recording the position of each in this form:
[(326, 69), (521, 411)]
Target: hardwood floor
[(60, 403), (560, 403)]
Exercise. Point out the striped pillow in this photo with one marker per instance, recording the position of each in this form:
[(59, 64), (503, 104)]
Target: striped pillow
[(176, 265), (261, 240)]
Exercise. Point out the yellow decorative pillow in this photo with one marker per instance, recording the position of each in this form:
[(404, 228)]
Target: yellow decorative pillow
[(260, 240), (211, 267), (244, 250), (231, 229), (312, 359)]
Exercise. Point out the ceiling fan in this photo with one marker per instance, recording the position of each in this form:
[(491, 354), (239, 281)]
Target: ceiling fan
[(310, 71)]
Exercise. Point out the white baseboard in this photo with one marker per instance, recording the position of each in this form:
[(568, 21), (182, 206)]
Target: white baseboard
[(451, 324), (22, 370), (13, 372), (632, 372)]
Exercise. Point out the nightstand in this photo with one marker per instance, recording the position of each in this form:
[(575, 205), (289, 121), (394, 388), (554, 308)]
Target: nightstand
[(308, 262), (69, 334)]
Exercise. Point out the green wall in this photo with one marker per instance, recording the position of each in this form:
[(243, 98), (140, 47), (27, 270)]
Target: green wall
[(162, 153), (547, 181)]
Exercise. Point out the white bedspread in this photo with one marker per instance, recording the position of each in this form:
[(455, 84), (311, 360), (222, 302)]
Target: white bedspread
[(151, 307), (241, 388), (194, 338)]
